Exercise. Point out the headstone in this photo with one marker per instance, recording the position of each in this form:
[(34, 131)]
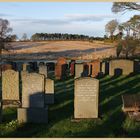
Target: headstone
[(78, 69), (43, 70), (72, 68), (60, 68), (24, 67), (5, 67), (105, 67), (94, 68), (32, 90), (49, 91), (85, 72), (122, 65), (86, 94), (10, 85), (33, 99)]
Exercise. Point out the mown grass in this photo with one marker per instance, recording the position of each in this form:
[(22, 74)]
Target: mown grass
[(112, 121)]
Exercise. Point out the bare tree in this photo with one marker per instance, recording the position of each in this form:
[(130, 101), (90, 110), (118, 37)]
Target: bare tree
[(125, 6), (111, 27), (24, 37), (4, 30)]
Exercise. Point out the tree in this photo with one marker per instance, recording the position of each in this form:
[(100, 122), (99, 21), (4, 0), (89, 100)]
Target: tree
[(111, 27), (4, 30), (125, 6), (24, 37)]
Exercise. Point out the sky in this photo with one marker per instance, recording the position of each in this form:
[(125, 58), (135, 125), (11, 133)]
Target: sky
[(88, 18)]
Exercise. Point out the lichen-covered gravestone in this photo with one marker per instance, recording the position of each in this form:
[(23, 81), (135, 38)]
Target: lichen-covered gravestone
[(33, 99), (10, 85), (43, 70), (78, 69), (49, 91), (86, 94)]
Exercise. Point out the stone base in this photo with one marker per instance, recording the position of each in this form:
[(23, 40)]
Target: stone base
[(49, 99), (32, 115), (11, 103)]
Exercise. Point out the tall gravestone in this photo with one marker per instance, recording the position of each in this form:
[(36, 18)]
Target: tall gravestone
[(10, 87), (94, 68), (33, 99), (78, 69), (105, 67), (49, 91), (72, 67), (43, 70), (61, 68), (123, 65), (86, 94)]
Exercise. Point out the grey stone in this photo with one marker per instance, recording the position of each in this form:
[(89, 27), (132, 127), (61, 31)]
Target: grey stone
[(86, 94), (33, 90), (78, 70), (10, 85), (33, 115), (49, 91)]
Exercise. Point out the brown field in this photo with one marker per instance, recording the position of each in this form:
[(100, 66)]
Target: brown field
[(54, 49)]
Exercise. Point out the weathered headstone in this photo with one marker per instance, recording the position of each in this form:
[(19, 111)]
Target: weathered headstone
[(123, 66), (33, 99), (33, 90), (60, 68), (10, 85), (49, 91), (78, 70), (5, 67), (86, 94), (94, 68), (43, 70)]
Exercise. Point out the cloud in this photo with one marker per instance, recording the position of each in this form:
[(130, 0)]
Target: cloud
[(88, 17), (67, 19), (4, 15)]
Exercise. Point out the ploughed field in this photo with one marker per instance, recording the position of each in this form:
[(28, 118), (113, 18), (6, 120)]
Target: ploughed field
[(54, 49), (112, 121)]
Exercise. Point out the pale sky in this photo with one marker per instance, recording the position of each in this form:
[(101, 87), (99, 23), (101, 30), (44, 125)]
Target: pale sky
[(88, 18)]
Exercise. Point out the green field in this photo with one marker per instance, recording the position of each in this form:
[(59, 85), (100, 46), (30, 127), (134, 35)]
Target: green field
[(112, 121)]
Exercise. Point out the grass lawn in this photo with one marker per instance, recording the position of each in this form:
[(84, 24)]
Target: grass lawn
[(112, 122)]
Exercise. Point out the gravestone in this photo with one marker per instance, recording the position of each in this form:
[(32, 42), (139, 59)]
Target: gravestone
[(61, 68), (43, 70), (10, 85), (85, 72), (105, 67), (5, 67), (49, 91), (127, 66), (72, 67), (86, 94), (24, 67), (32, 90), (137, 66), (94, 68), (10, 88), (33, 99), (78, 69)]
